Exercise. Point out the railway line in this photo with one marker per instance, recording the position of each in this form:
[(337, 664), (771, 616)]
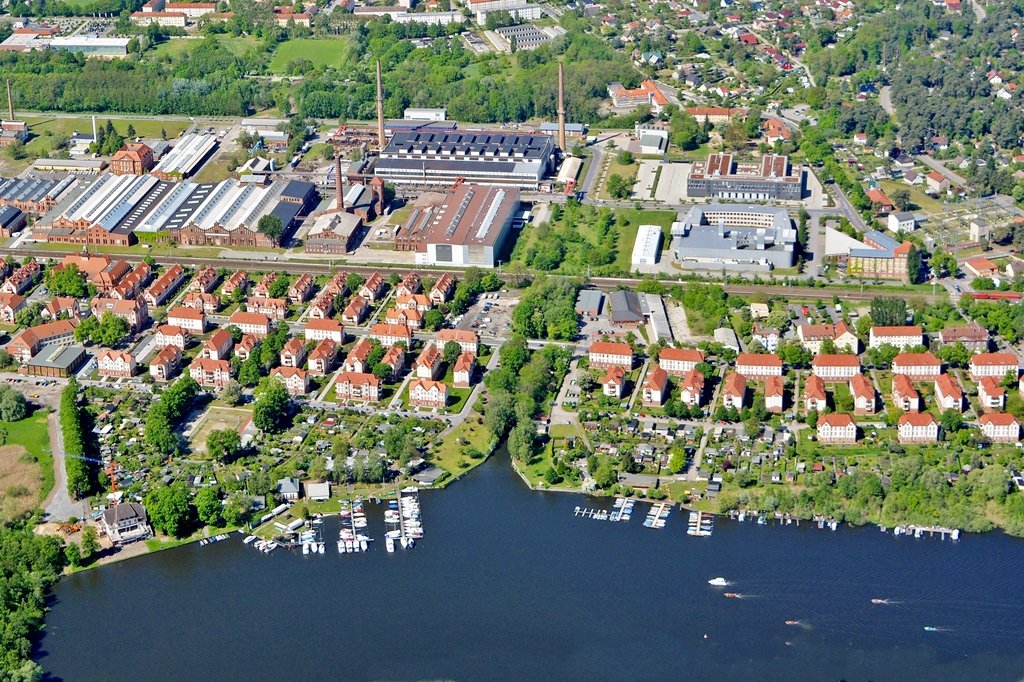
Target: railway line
[(604, 283)]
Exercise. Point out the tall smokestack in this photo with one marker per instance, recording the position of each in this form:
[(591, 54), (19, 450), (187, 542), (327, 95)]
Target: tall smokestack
[(10, 101), (380, 109), (94, 138), (561, 108), (339, 204)]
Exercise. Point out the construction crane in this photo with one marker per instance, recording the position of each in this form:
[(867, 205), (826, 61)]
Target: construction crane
[(458, 182), (109, 469)]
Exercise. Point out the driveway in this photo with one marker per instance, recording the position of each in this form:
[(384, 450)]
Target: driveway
[(58, 504)]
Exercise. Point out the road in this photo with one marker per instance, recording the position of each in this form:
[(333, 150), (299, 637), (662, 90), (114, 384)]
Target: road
[(936, 166), (979, 11), (58, 505), (844, 206)]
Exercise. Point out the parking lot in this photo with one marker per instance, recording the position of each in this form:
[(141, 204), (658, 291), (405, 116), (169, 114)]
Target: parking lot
[(490, 316)]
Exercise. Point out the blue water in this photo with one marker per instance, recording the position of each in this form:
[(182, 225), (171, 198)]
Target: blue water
[(509, 585)]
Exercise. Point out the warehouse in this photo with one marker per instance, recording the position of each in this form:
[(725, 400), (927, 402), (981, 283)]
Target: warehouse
[(467, 226), (429, 159), (186, 158), (33, 195), (94, 214), (735, 237), (722, 177), (92, 46), (56, 362), (333, 233), (647, 245)]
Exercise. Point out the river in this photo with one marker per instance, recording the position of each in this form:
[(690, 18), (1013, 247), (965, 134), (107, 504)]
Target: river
[(508, 584)]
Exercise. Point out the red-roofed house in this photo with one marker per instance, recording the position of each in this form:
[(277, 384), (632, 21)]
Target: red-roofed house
[(295, 379), (774, 394), (918, 427), (218, 346), (994, 365), (902, 337), (465, 368), (917, 366), (863, 392), (255, 324), (837, 429), (835, 367), (210, 373), (187, 318), (165, 363), (318, 330), (360, 386), (655, 388), (880, 200), (322, 357), (613, 383), (904, 396), (691, 388), (427, 393), (948, 394), (991, 394), (815, 397), (293, 353), (981, 267), (734, 391), (604, 354), (1000, 427), (113, 363), (759, 365)]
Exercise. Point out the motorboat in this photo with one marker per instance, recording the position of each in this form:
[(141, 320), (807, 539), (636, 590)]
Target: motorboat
[(732, 595), (718, 582), (792, 622), (320, 549), (879, 601), (390, 543)]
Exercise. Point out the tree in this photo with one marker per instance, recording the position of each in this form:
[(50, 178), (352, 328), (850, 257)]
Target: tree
[(67, 281), (272, 411), (382, 371), (250, 372), (951, 421), (90, 543), (901, 199), (888, 311), (12, 404), (272, 226), (232, 393), (73, 555), (451, 353), (605, 476), (209, 508), (735, 136), (169, 510), (86, 329), (131, 130), (618, 187), (625, 157), (514, 353), (223, 444), (111, 331), (915, 265), (433, 319), (677, 462)]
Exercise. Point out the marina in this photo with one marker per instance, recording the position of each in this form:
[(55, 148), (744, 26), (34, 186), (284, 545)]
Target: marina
[(658, 515), (604, 620), (700, 524)]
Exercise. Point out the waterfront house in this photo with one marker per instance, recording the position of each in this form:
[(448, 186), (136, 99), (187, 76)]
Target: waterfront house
[(289, 489), (125, 523)]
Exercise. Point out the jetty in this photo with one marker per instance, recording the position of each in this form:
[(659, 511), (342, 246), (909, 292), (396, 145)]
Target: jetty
[(700, 524), (930, 531), (657, 516)]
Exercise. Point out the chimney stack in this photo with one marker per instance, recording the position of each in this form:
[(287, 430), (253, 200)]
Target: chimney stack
[(561, 108), (94, 137), (10, 101), (339, 204), (380, 109)]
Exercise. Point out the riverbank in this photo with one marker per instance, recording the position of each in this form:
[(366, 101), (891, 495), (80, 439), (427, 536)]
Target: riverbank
[(496, 602)]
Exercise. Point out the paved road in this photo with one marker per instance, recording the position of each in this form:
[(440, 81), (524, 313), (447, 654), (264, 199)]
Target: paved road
[(58, 505), (936, 166)]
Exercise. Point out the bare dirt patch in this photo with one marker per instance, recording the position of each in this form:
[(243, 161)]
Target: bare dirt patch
[(19, 482)]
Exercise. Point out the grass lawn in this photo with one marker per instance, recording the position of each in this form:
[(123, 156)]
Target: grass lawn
[(924, 202), (215, 171), (215, 419), (449, 456), (627, 232), (177, 47), (145, 127), (26, 465), (326, 52), (137, 250), (615, 168), (564, 431)]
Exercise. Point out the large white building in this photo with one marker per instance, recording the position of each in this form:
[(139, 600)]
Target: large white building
[(647, 245)]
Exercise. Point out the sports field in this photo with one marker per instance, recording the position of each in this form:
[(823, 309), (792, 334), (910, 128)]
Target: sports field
[(217, 419), (321, 52)]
